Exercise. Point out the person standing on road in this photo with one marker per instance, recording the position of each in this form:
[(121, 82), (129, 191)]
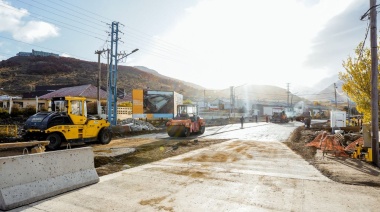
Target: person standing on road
[(242, 121)]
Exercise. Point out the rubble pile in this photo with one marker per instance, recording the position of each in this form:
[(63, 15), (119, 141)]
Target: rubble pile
[(137, 125)]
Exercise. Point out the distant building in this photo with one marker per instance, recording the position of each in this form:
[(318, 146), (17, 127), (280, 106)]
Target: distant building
[(37, 53), (24, 54)]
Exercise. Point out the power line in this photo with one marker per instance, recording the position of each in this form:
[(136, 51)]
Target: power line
[(366, 14), (55, 3), (365, 38), (140, 34), (60, 15), (137, 33), (161, 49), (86, 10), (58, 24)]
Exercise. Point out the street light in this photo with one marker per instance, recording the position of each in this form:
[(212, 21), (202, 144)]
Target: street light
[(112, 90), (126, 55)]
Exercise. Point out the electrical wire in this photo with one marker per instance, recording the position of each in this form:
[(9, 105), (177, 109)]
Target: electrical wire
[(366, 14), (159, 50), (58, 24), (75, 21), (86, 10), (138, 35), (362, 47)]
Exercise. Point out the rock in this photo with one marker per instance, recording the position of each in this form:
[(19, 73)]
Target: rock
[(137, 125), (126, 166)]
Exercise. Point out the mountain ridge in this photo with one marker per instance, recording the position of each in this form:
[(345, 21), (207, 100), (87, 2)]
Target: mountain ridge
[(22, 74)]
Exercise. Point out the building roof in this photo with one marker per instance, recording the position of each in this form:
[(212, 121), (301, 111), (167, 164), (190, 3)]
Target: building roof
[(50, 88), (33, 94), (88, 91)]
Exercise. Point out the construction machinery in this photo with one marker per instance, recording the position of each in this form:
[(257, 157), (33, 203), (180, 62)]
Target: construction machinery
[(67, 121), (279, 117), (186, 121), (364, 150)]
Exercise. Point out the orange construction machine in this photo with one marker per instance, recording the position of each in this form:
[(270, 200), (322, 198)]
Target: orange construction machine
[(187, 121)]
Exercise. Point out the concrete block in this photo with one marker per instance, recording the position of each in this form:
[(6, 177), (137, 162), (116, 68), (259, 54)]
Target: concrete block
[(29, 178)]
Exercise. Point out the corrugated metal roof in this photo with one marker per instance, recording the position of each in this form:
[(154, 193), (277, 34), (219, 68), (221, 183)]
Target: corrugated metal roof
[(88, 91)]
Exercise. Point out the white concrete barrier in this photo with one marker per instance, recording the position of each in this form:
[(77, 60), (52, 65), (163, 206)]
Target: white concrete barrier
[(29, 178)]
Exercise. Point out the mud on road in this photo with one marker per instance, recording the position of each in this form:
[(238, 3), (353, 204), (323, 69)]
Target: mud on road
[(139, 151)]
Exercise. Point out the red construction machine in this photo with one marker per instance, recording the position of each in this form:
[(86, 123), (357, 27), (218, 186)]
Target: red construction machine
[(186, 121)]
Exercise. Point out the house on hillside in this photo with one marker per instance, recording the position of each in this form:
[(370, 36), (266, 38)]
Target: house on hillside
[(37, 53)]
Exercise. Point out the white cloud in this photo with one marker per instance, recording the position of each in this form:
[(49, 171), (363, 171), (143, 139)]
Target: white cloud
[(10, 17), (34, 31), (27, 31)]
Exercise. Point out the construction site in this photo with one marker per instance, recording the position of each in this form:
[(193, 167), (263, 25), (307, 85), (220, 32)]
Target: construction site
[(336, 156)]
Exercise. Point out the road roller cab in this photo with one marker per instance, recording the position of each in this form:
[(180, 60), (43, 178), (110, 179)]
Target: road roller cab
[(186, 121)]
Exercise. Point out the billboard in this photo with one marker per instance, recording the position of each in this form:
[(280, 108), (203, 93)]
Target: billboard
[(155, 104)]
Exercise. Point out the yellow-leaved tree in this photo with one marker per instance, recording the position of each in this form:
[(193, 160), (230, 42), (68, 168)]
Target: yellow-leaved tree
[(125, 104), (357, 80), (187, 102)]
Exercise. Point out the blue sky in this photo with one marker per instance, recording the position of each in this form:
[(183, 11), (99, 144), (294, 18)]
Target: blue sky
[(213, 43)]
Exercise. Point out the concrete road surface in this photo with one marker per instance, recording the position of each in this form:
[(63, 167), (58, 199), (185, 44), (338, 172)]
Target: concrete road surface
[(250, 172)]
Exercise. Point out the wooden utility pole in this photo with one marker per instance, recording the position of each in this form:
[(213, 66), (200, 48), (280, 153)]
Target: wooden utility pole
[(336, 103), (99, 80), (374, 83), (204, 99), (288, 92)]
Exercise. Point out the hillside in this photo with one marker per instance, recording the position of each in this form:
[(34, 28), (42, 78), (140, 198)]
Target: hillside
[(328, 94), (154, 72), (22, 74)]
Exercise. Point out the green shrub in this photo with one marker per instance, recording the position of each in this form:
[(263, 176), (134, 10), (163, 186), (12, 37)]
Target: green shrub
[(29, 110)]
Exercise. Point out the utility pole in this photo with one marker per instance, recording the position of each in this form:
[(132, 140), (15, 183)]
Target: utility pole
[(99, 52), (374, 83), (231, 99), (108, 68), (291, 102), (204, 99), (288, 94), (112, 84), (336, 103)]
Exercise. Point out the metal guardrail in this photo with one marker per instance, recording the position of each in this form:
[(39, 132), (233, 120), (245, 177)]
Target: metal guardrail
[(8, 130)]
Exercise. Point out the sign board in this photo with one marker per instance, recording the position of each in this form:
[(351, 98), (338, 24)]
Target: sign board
[(155, 104), (338, 119)]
